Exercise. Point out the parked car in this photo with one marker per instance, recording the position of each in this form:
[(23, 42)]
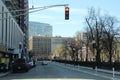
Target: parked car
[(3, 67), (32, 63), (20, 65)]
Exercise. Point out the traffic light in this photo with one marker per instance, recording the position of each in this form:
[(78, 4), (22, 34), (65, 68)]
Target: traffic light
[(66, 13)]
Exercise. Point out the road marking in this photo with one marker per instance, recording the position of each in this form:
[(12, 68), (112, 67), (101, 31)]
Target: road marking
[(52, 79)]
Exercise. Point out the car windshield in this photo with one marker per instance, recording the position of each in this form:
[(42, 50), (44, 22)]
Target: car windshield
[(20, 61), (60, 39)]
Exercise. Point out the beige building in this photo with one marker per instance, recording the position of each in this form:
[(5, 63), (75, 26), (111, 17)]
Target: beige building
[(40, 46)]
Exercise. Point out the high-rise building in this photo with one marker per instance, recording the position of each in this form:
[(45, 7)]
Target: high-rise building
[(22, 6), (13, 36), (36, 28), (21, 16), (24, 22)]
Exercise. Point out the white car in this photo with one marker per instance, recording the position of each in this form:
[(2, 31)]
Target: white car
[(44, 62), (31, 63)]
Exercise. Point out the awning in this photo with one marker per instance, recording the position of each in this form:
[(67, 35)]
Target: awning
[(15, 51)]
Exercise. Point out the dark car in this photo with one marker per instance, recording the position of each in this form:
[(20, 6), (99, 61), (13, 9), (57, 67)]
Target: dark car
[(20, 65), (3, 67)]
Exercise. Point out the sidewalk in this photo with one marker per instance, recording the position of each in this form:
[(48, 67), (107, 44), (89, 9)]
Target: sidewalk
[(97, 71), (4, 74), (103, 70)]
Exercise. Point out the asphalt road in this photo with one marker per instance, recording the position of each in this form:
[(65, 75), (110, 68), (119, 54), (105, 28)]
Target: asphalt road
[(54, 71)]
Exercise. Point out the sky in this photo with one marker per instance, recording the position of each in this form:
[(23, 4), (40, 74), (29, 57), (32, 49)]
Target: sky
[(78, 11)]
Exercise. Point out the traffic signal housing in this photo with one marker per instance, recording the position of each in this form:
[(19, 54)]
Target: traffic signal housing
[(66, 13)]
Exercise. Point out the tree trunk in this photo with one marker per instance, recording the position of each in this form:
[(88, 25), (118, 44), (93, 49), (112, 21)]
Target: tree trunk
[(98, 59), (110, 59)]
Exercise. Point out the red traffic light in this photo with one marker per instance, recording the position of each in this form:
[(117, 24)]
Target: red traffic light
[(66, 13), (66, 9)]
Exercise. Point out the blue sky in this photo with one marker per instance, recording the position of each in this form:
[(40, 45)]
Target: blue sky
[(78, 10)]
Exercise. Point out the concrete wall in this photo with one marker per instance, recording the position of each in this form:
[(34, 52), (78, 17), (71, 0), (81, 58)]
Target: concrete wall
[(10, 33)]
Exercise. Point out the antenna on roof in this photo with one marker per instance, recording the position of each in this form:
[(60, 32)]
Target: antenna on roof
[(32, 4)]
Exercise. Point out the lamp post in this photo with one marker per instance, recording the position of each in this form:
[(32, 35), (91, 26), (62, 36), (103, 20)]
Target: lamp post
[(20, 52), (73, 49), (93, 44)]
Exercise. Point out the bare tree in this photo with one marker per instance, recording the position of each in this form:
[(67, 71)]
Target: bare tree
[(82, 41), (111, 31), (79, 44), (103, 31), (95, 29), (71, 43)]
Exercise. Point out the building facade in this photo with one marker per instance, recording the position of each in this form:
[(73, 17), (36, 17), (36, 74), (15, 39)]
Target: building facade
[(20, 16), (12, 36), (24, 23), (40, 47), (36, 28)]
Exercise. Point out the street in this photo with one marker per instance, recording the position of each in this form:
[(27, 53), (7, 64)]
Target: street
[(53, 71)]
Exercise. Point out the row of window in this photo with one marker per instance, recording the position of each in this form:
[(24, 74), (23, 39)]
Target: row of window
[(10, 33)]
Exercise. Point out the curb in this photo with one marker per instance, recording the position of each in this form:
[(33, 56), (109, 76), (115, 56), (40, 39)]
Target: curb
[(4, 74), (108, 71), (104, 70), (101, 70)]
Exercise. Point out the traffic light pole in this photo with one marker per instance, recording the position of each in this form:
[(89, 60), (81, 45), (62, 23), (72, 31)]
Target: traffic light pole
[(36, 9)]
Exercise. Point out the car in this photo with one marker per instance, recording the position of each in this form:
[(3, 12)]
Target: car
[(3, 67), (32, 63), (20, 65), (44, 62)]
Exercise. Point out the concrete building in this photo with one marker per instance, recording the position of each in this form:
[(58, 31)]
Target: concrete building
[(40, 47), (12, 36), (22, 19), (41, 29)]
